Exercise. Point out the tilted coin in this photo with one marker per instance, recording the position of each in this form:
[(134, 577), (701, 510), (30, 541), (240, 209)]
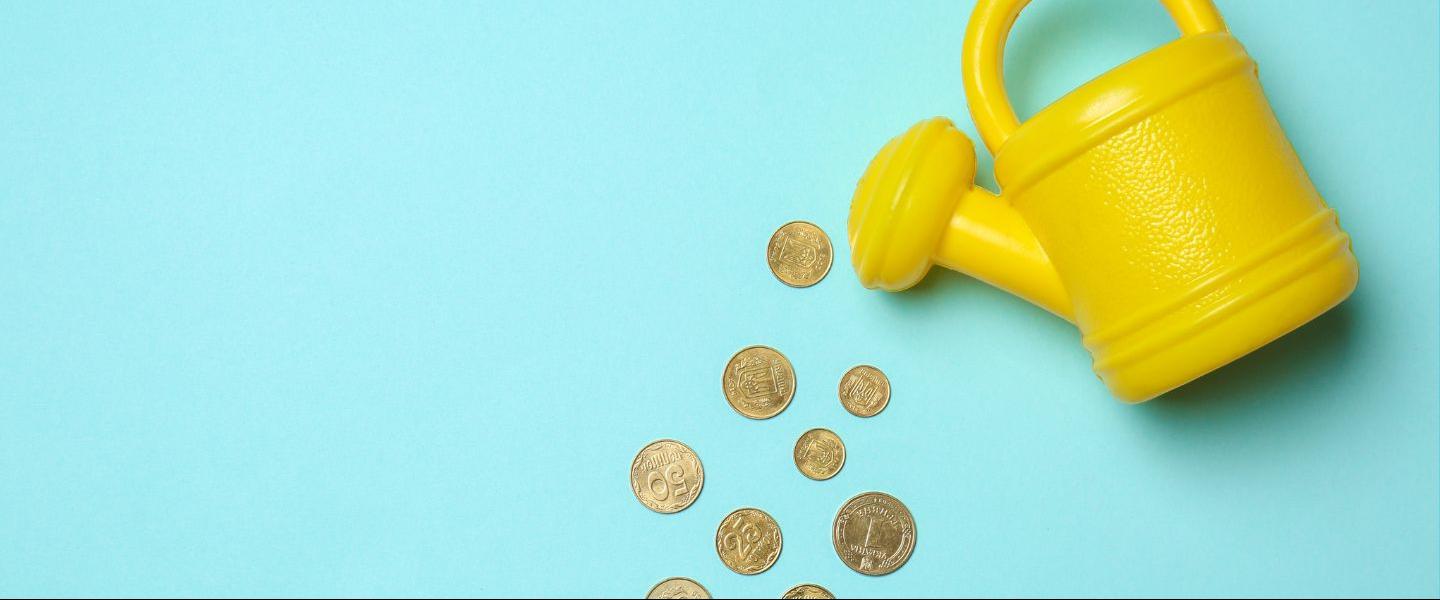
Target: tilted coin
[(819, 454), (678, 587), (864, 391), (874, 533), (748, 541), (808, 590), (758, 382), (666, 476), (799, 254)]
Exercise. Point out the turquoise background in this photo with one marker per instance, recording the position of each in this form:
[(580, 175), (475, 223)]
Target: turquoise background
[(381, 298)]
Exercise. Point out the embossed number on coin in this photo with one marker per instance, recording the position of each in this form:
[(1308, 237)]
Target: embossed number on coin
[(864, 391), (874, 533), (808, 590), (819, 454), (748, 541), (666, 476), (678, 587), (799, 254), (758, 382)]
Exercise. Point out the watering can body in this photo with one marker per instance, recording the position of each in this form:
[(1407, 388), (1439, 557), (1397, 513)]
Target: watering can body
[(1178, 227)]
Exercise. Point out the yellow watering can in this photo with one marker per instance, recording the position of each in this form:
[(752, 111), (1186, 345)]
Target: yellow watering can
[(1159, 207)]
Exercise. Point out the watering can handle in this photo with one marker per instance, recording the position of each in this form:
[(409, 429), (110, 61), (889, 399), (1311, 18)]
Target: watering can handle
[(984, 51)]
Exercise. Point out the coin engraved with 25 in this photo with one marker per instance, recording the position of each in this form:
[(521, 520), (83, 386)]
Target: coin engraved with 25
[(748, 541)]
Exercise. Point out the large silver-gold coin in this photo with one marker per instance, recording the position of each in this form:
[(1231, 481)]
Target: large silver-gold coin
[(799, 254), (666, 476), (758, 382), (678, 587), (874, 533), (808, 590), (748, 541), (864, 391), (819, 454)]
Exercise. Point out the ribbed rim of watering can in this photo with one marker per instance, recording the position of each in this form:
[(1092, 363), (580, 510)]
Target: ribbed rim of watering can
[(1215, 304), (1112, 102)]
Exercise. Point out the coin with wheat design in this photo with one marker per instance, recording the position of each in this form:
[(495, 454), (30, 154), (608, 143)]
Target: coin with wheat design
[(758, 382), (799, 254), (874, 533), (864, 391), (819, 454), (666, 476), (808, 590), (678, 587), (748, 541)]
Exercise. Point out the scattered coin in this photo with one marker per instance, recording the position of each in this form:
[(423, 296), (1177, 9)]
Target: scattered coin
[(864, 391), (748, 541), (666, 476), (678, 587), (808, 590), (759, 382), (819, 454), (874, 533), (799, 254)]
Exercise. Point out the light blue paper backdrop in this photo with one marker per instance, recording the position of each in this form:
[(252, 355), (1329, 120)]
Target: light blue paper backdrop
[(353, 298)]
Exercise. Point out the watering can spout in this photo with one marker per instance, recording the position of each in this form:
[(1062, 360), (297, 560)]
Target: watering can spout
[(917, 205), (988, 239)]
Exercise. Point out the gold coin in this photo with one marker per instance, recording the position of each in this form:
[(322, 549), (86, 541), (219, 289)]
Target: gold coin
[(874, 533), (666, 476), (748, 541), (808, 590), (819, 454), (799, 254), (678, 587), (759, 382), (864, 391)]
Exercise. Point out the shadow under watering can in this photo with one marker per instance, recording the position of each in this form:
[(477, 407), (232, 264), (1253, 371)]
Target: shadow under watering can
[(1159, 207)]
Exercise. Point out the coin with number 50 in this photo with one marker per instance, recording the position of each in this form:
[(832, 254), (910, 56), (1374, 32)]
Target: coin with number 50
[(666, 476)]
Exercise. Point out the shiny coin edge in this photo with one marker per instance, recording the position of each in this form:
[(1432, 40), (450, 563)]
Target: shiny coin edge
[(844, 454), (670, 579), (794, 383), (779, 546), (828, 264), (914, 535), (700, 480)]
